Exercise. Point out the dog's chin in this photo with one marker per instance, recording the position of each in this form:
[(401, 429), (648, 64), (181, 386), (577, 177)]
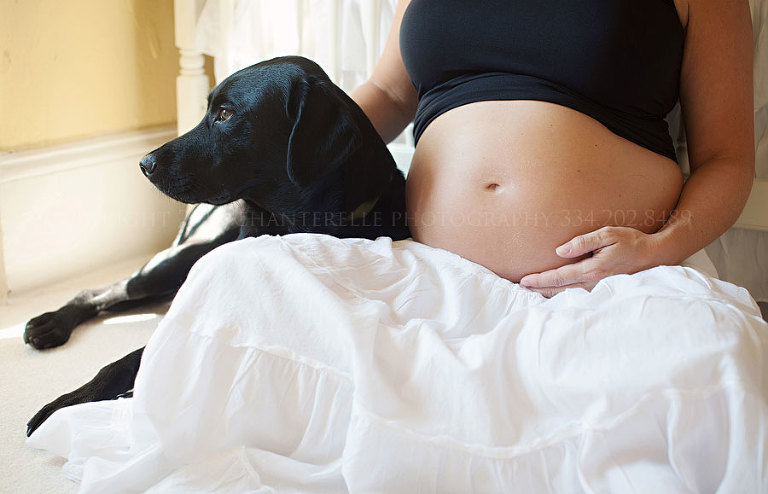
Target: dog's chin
[(220, 199), (188, 193), (188, 198), (180, 196)]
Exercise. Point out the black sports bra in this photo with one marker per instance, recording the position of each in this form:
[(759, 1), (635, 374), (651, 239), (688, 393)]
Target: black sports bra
[(617, 61)]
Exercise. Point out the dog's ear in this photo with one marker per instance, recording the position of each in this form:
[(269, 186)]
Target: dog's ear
[(324, 134)]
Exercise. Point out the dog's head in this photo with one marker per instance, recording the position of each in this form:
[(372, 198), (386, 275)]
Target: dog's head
[(272, 131)]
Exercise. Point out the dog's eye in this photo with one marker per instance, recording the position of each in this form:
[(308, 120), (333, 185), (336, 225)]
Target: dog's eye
[(224, 114)]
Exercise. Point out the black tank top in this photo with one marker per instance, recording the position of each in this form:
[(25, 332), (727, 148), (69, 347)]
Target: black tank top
[(617, 61)]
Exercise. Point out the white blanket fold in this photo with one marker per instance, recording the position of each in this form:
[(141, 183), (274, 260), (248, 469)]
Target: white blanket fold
[(306, 363)]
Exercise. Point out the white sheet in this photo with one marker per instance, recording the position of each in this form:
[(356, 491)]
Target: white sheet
[(310, 364)]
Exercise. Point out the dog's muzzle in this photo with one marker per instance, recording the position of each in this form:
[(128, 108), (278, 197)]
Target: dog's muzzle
[(148, 164)]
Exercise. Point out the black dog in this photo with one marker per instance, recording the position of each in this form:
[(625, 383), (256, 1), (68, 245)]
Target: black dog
[(280, 150)]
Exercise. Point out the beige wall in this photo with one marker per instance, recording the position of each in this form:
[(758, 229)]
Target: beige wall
[(78, 68)]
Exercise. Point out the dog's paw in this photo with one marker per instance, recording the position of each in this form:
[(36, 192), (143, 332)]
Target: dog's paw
[(66, 400), (49, 330)]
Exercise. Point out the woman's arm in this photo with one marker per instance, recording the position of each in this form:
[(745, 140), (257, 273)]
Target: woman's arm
[(716, 101), (388, 98)]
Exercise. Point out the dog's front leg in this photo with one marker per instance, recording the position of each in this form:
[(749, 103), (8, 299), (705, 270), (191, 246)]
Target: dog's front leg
[(112, 381), (206, 228), (160, 277)]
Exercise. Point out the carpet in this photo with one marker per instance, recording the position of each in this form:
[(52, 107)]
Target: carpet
[(30, 378)]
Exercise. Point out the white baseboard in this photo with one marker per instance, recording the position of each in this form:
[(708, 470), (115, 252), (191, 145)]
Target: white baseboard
[(69, 209)]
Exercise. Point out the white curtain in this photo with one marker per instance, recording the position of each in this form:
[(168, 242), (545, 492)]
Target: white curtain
[(337, 34)]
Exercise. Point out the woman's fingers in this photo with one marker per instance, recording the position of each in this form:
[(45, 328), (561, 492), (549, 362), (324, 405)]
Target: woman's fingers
[(589, 242), (579, 273)]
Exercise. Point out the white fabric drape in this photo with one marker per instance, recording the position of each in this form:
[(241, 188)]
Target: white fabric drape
[(239, 33), (311, 364)]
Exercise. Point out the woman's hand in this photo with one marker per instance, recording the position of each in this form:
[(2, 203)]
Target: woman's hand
[(613, 249)]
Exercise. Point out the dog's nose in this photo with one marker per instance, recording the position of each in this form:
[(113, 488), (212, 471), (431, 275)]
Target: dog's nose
[(148, 164)]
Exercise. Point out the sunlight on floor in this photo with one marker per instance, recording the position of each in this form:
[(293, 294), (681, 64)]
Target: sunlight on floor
[(17, 330), (14, 331), (132, 318)]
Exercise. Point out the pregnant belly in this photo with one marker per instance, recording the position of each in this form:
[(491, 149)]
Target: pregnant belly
[(503, 183)]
